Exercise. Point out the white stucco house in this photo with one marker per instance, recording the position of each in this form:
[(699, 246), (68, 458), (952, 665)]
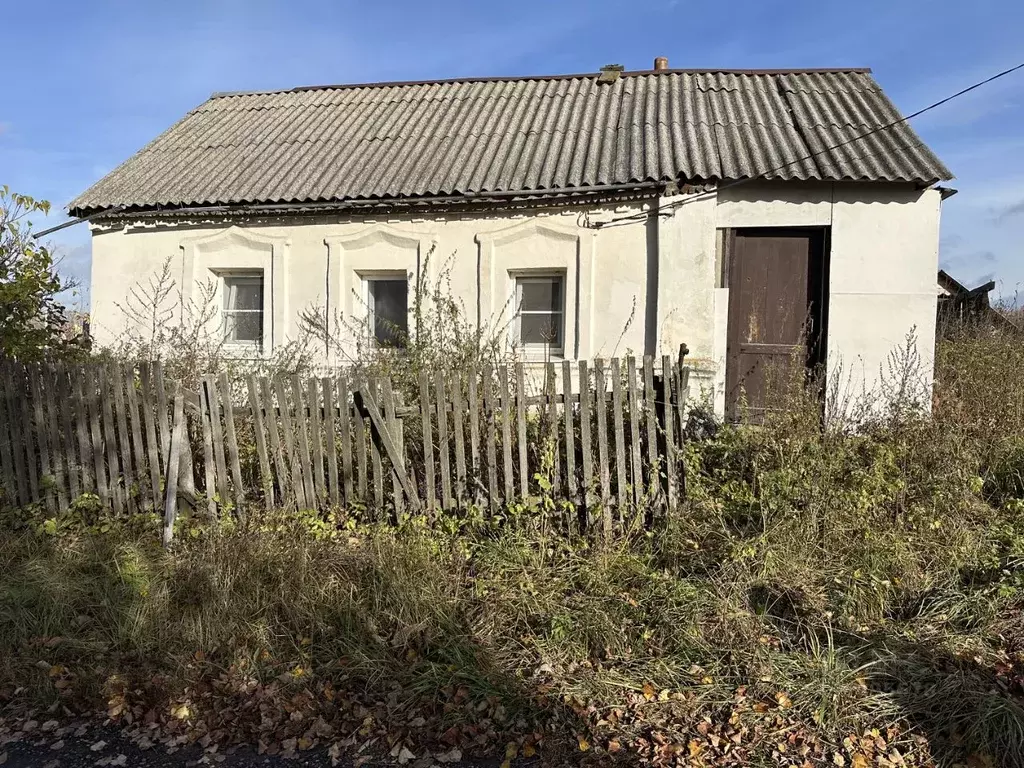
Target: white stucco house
[(744, 213)]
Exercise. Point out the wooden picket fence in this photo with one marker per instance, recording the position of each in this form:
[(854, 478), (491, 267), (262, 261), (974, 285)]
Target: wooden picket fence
[(602, 436)]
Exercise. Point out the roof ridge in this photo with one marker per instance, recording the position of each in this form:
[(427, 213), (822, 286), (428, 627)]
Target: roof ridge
[(521, 78)]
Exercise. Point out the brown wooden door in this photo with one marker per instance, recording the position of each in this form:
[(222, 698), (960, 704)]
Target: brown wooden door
[(777, 293)]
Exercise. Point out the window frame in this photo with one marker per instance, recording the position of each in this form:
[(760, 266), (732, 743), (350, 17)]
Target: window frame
[(251, 276), (367, 279), (547, 349)]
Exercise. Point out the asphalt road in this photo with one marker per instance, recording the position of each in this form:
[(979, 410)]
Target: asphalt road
[(82, 751)]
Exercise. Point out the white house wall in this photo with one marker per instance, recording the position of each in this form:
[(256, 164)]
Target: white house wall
[(641, 288)]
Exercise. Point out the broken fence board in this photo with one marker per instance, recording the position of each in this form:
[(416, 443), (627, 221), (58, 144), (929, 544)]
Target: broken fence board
[(260, 438), (331, 441)]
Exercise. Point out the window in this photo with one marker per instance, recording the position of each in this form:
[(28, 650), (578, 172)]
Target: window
[(387, 299), (243, 309), (540, 301)]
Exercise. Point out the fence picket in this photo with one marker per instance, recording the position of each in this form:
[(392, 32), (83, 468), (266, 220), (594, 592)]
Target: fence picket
[(524, 470), (636, 474), (331, 441), (50, 481), (283, 408), (285, 492), (668, 420), (550, 389), (459, 438), (474, 426), (427, 431), (92, 401), (162, 425), (603, 457), (652, 431), (124, 450), (11, 491), (506, 434), (621, 483), (209, 463), (217, 430), (28, 434), (115, 475), (302, 434), (135, 427), (316, 440), (378, 467), (149, 421), (570, 432), (492, 454), (586, 454), (174, 460), (394, 428), (231, 443), (362, 462), (72, 463), (444, 447), (260, 436), (90, 482), (344, 415)]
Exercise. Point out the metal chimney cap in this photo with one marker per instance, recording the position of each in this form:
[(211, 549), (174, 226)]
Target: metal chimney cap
[(660, 63)]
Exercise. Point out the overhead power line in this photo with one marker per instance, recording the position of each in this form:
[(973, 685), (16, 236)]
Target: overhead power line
[(711, 193)]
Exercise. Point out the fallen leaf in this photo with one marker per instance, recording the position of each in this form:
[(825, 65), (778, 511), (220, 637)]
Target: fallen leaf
[(59, 744), (649, 692), (695, 747), (859, 761), (98, 746), (584, 744), (3, 758), (404, 756), (839, 760)]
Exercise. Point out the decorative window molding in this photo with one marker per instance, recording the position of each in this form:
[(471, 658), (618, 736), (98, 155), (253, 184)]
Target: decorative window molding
[(235, 249), (541, 247), (377, 249)]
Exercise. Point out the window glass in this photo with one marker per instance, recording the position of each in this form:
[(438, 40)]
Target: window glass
[(243, 309), (540, 312), (388, 300)]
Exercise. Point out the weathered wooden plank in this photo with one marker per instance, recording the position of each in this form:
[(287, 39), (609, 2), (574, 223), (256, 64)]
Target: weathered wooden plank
[(209, 462), (652, 429), (50, 481), (231, 443), (506, 434), (344, 416), (148, 395), (13, 396), (92, 401), (331, 440), (110, 440), (492, 458), (621, 481), (217, 431), (302, 434), (288, 433), (474, 424), (360, 435), (603, 455), (459, 438), (7, 446), (316, 439), (260, 436), (28, 434), (668, 412), (285, 490), (174, 461), (395, 432), (124, 449), (54, 405), (138, 446), (636, 471), (444, 445), (381, 430), (586, 452), (427, 431), (71, 459), (524, 470), (551, 391), (77, 381), (371, 393), (162, 415), (570, 432)]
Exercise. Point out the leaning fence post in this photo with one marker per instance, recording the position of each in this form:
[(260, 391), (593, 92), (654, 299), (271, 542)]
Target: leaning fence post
[(173, 460)]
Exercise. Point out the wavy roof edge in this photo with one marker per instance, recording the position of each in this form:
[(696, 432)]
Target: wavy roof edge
[(525, 78)]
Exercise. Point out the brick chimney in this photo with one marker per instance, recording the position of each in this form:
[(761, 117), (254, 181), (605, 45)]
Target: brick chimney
[(660, 64)]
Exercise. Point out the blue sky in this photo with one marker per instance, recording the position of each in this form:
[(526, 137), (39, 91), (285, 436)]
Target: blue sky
[(95, 81)]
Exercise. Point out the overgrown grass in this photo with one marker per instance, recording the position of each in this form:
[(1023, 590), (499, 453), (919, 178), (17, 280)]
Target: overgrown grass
[(824, 595)]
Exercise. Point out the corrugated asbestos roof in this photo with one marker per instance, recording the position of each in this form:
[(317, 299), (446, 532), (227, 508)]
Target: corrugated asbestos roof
[(459, 137)]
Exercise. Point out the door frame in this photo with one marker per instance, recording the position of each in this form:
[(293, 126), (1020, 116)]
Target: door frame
[(817, 351)]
